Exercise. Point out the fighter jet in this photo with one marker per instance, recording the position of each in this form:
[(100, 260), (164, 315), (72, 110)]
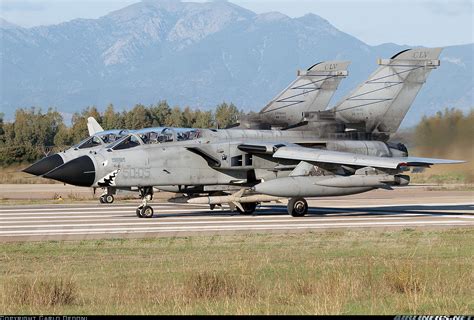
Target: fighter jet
[(310, 91), (242, 167), (231, 176), (379, 104)]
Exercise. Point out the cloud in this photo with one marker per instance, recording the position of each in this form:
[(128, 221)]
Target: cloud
[(455, 61), (449, 8), (22, 5)]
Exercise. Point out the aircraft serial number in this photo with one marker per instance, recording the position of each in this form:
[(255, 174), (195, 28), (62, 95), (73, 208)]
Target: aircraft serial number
[(143, 173)]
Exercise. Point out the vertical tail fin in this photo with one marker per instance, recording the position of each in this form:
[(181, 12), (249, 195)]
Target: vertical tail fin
[(93, 126), (382, 101), (311, 91)]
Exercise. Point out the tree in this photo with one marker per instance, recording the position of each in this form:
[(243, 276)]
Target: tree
[(203, 119), (446, 133), (63, 137), (111, 119), (226, 114), (30, 135), (2, 131), (160, 113), (139, 117), (189, 117), (175, 119), (79, 129)]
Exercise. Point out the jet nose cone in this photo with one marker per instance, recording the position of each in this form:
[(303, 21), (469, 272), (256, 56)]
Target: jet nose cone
[(45, 165), (78, 172)]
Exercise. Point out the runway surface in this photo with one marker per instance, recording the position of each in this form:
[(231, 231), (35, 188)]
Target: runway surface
[(94, 221)]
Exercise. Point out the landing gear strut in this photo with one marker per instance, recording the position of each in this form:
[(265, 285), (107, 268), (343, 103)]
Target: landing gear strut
[(107, 196), (297, 207), (144, 210), (248, 207)]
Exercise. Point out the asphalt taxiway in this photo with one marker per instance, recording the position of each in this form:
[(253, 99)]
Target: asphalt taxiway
[(94, 221)]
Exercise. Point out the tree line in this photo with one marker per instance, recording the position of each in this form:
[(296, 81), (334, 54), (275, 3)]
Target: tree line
[(34, 133), (448, 133)]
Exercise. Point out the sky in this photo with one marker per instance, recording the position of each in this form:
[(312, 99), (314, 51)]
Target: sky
[(405, 22)]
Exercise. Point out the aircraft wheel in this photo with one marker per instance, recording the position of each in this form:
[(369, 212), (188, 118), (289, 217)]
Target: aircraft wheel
[(101, 199), (297, 207), (108, 198), (146, 212), (249, 208)]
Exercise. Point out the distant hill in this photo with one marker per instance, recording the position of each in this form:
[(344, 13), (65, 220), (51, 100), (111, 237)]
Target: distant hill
[(196, 54)]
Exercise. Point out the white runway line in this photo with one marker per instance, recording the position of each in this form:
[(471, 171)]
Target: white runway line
[(222, 220), (443, 204), (165, 213), (132, 210), (64, 221), (64, 209), (229, 228), (98, 207), (218, 215), (171, 205)]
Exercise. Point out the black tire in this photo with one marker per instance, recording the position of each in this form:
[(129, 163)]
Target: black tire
[(139, 212), (101, 199), (297, 207), (146, 212), (109, 198), (249, 208)]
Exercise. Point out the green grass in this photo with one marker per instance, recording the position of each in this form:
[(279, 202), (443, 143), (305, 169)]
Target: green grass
[(349, 272)]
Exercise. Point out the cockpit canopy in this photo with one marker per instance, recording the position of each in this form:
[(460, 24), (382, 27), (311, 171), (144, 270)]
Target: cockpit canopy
[(101, 138), (154, 136), (129, 141)]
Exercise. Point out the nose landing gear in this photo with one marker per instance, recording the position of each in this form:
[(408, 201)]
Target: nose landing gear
[(107, 196), (144, 210)]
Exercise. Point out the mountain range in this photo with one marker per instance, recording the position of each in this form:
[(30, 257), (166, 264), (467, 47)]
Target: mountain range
[(197, 54)]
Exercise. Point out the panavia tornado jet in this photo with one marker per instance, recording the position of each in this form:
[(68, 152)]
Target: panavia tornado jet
[(241, 167), (331, 152), (310, 91)]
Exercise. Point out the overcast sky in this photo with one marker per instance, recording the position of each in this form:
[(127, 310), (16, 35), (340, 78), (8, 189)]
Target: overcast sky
[(411, 22)]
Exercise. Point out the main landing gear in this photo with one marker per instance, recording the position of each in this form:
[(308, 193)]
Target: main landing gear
[(297, 207), (248, 207), (144, 210), (107, 196)]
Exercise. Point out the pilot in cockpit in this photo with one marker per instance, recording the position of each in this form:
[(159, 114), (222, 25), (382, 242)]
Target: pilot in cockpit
[(145, 138)]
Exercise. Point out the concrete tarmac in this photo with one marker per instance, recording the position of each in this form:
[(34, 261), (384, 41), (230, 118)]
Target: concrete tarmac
[(95, 221)]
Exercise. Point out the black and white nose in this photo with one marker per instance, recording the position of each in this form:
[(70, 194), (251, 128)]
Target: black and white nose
[(45, 165), (78, 172)]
